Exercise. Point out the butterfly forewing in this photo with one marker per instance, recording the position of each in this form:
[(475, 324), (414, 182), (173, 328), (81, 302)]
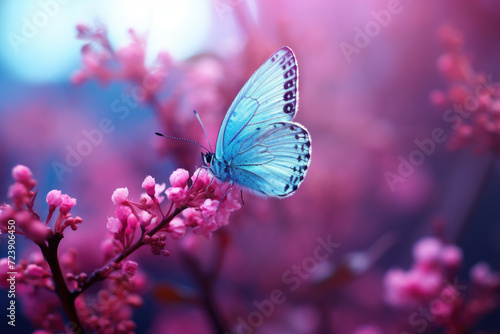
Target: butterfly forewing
[(269, 96)]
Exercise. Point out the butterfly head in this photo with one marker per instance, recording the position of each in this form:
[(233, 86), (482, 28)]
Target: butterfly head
[(207, 158)]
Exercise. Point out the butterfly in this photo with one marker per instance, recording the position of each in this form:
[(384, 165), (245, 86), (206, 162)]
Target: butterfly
[(258, 147)]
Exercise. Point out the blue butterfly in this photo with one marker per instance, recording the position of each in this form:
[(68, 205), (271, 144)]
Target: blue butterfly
[(258, 147)]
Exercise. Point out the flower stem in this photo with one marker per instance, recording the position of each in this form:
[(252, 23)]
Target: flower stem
[(101, 274), (49, 252), (206, 284)]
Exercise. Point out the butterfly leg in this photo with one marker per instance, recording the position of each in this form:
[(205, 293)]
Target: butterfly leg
[(210, 183), (225, 195), (241, 193)]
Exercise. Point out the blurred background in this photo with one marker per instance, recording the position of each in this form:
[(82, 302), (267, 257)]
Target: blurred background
[(394, 160)]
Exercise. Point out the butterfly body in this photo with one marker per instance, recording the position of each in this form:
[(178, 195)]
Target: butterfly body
[(258, 147)]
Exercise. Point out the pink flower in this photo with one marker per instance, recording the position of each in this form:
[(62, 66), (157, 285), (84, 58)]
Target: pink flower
[(120, 196), (34, 271), (83, 31), (114, 225), (427, 251), (32, 227), (130, 268), (179, 178), (482, 274), (22, 174), (209, 209), (132, 223), (19, 193), (149, 185), (177, 195), (54, 198), (66, 204), (176, 228), (411, 287), (4, 269), (201, 179), (122, 212), (145, 218), (451, 256), (6, 214)]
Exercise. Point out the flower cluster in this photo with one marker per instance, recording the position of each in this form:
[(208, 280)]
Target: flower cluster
[(432, 281), (27, 221), (472, 100), (100, 61), (111, 309), (206, 206)]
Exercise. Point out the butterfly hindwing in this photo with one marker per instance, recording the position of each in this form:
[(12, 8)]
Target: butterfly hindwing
[(275, 162), (269, 96)]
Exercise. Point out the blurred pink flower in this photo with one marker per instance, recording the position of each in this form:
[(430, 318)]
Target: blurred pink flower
[(472, 99), (23, 174), (120, 196), (149, 185)]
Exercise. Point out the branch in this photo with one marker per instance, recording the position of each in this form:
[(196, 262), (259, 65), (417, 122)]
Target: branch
[(101, 274)]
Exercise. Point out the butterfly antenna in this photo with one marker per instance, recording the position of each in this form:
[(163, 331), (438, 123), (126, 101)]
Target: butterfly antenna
[(183, 139), (206, 134)]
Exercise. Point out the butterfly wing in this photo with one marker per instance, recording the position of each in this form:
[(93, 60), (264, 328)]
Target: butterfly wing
[(263, 149), (274, 160), (269, 96)]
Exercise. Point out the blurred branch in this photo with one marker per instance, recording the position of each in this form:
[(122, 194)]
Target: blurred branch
[(206, 281), (465, 188)]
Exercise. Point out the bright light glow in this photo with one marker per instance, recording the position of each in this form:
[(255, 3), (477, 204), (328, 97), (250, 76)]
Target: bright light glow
[(177, 26), (41, 44)]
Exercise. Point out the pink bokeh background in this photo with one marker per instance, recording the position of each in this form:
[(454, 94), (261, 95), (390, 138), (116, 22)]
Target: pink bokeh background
[(364, 110)]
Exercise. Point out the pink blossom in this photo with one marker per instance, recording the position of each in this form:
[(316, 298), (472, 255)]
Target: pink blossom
[(19, 193), (132, 56), (179, 178), (176, 195), (209, 209), (451, 256), (482, 274), (427, 251), (73, 223), (411, 287), (440, 309), (159, 189), (122, 212), (6, 214), (114, 225), (132, 223), (34, 271), (83, 30), (66, 204), (149, 185), (120, 196), (177, 228), (130, 268), (193, 216), (4, 269), (33, 228), (22, 174), (201, 179), (145, 218), (54, 198)]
